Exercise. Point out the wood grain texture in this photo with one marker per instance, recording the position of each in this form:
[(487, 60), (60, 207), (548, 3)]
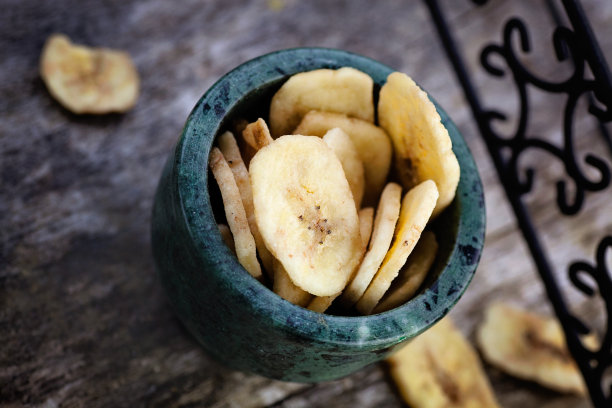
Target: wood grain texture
[(83, 318)]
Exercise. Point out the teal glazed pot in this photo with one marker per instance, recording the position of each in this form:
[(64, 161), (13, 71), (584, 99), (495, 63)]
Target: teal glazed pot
[(238, 320)]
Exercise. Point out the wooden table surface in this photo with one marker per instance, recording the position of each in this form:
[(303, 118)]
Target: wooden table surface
[(83, 318)]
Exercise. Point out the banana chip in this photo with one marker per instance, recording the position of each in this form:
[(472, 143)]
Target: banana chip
[(305, 212), (439, 369), (412, 274), (227, 237), (366, 217), (235, 214), (257, 135), (423, 149), (88, 80), (231, 152), (384, 225), (284, 288), (530, 347), (417, 207), (344, 148), (345, 90), (372, 143)]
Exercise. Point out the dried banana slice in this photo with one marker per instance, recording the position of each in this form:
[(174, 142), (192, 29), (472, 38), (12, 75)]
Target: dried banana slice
[(305, 212), (227, 237), (412, 274), (88, 80), (366, 217), (234, 212), (423, 148), (530, 347), (384, 226), (345, 90), (344, 148), (417, 207), (229, 147), (372, 143), (440, 369), (284, 288), (257, 135)]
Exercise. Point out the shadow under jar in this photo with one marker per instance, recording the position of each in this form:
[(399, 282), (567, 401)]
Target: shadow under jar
[(237, 319)]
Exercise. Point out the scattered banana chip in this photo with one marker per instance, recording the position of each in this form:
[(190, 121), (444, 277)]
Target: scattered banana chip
[(417, 207), (231, 152), (227, 237), (257, 135), (88, 80), (372, 143), (384, 226), (530, 347), (345, 90), (439, 369), (412, 274), (305, 212), (235, 214), (423, 149), (284, 288), (344, 148), (366, 218)]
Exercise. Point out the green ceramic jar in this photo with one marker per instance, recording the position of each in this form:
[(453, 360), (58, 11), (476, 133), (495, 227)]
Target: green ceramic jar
[(239, 321)]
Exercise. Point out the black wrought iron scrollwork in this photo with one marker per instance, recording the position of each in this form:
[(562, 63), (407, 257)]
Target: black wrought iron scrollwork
[(573, 87), (575, 44)]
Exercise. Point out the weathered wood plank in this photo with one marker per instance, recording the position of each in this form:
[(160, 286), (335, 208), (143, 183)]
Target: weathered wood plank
[(83, 319)]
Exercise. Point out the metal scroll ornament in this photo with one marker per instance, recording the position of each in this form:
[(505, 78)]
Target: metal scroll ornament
[(577, 44)]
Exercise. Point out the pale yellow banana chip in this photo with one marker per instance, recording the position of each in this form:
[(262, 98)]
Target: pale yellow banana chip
[(305, 212), (227, 237), (372, 143), (440, 369), (88, 80), (234, 212), (529, 347), (423, 148), (412, 274), (231, 152), (284, 287), (417, 207), (366, 218), (345, 90), (344, 148), (257, 135), (387, 215)]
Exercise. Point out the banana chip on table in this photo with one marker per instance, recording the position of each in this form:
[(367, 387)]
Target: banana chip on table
[(440, 369), (88, 80), (529, 347), (412, 274), (345, 90), (305, 212), (372, 143), (235, 214), (423, 148), (344, 148), (387, 214), (417, 207)]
